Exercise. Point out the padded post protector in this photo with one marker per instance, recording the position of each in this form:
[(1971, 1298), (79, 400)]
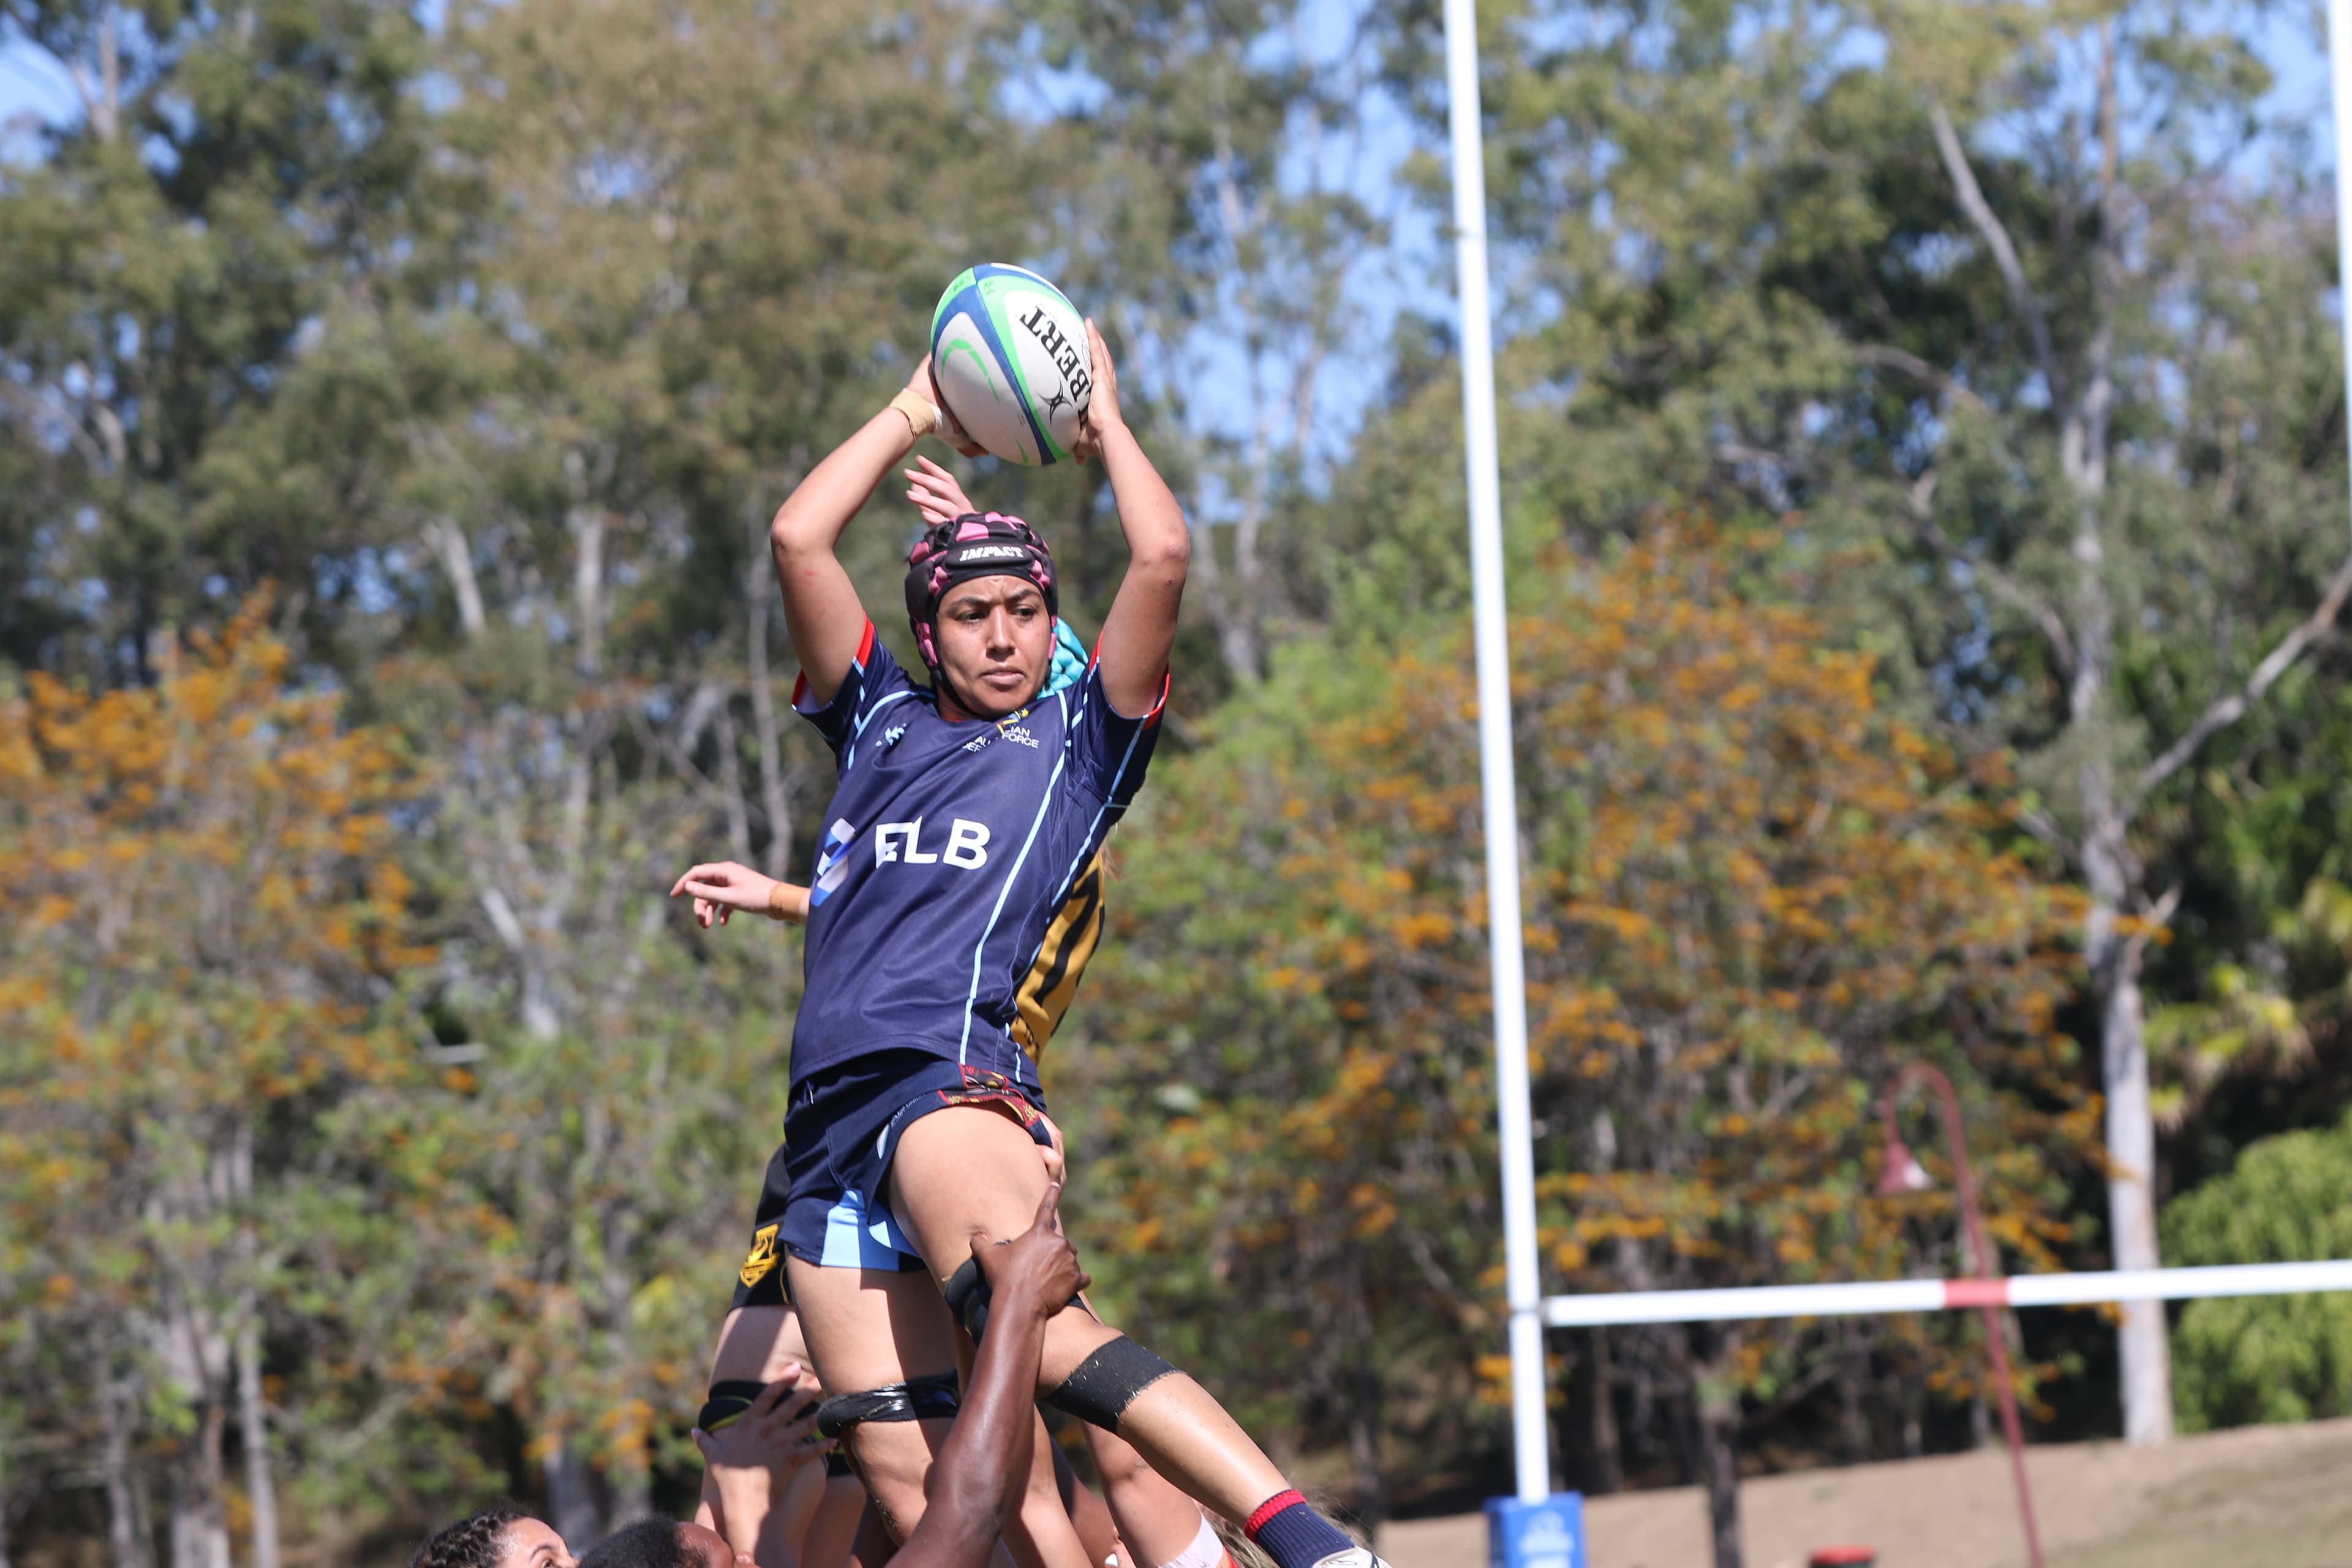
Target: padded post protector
[(916, 1399), (967, 1292), (1106, 1383), (729, 1398)]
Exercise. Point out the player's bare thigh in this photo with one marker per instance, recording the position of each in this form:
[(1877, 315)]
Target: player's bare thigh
[(867, 1328), (970, 1168), (757, 1344)]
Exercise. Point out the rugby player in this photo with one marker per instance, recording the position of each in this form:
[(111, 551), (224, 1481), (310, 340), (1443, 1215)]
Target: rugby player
[(499, 1536), (964, 810), (1150, 1524)]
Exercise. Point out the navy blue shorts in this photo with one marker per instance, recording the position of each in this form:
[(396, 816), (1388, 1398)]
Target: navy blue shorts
[(840, 1134), (759, 1282)]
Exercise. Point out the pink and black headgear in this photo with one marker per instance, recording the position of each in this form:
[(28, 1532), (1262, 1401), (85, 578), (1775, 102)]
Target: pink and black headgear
[(976, 544)]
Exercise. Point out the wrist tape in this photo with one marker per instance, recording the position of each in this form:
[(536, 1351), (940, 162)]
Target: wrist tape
[(922, 414)]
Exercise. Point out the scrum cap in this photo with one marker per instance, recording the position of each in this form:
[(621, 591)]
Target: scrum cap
[(976, 544)]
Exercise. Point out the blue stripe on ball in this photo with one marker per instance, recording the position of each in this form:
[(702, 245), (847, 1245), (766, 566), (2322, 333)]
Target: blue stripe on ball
[(969, 300)]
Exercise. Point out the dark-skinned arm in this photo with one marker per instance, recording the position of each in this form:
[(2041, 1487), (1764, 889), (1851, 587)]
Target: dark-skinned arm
[(984, 1467)]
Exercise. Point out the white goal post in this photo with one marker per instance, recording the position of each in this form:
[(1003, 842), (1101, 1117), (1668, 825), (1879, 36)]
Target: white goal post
[(1871, 1297)]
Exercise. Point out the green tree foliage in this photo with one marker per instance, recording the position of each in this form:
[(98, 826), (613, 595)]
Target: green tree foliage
[(704, 246), (1998, 333), (235, 171), (2266, 1358), (197, 1013), (2005, 299), (1754, 894)]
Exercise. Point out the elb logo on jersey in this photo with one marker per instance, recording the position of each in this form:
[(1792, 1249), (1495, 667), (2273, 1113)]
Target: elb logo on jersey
[(902, 842)]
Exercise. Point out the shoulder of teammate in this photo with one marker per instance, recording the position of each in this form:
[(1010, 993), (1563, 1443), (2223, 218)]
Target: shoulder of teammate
[(874, 678)]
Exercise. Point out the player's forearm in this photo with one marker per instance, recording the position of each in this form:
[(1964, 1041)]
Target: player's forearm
[(1158, 542), (813, 516)]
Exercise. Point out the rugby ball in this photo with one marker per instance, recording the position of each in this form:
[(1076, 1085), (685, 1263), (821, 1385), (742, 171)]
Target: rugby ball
[(1009, 352)]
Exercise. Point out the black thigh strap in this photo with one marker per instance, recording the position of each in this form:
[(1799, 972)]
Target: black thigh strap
[(729, 1398), (967, 1293), (916, 1399)]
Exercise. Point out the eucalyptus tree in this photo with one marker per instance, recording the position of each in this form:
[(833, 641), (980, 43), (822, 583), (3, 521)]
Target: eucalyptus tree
[(232, 169), (1227, 206), (705, 243), (2018, 308)]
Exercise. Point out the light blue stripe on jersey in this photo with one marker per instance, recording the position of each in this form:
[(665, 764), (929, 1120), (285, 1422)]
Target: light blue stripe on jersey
[(1110, 798), (849, 754), (971, 999)]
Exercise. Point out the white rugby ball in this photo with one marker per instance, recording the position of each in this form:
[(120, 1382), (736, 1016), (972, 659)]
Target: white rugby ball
[(1009, 352)]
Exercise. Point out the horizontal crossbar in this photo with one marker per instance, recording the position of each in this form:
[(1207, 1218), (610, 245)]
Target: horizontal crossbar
[(1943, 1295)]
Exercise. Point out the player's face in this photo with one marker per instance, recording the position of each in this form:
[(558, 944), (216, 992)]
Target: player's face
[(996, 643), (532, 1543)]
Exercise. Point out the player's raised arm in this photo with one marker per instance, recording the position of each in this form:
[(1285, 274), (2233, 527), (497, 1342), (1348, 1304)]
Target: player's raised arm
[(1141, 626), (821, 609)]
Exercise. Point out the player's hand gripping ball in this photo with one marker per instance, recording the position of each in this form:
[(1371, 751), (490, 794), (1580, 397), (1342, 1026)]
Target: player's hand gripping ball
[(1009, 356)]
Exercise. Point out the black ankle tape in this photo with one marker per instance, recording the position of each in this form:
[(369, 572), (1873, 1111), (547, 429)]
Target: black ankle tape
[(916, 1399), (1106, 1383), (967, 1292), (729, 1399)]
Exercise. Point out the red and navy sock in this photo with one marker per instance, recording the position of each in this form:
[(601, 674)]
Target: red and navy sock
[(1293, 1534)]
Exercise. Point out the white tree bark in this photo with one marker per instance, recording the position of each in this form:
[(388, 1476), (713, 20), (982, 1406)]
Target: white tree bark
[(2112, 873)]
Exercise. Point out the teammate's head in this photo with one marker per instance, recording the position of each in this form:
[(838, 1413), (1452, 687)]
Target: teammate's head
[(499, 1536), (661, 1543), (982, 595)]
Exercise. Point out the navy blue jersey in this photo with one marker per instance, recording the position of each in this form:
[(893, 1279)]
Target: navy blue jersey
[(948, 851)]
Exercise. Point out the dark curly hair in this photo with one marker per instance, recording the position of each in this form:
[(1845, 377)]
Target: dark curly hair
[(648, 1543), (471, 1543)]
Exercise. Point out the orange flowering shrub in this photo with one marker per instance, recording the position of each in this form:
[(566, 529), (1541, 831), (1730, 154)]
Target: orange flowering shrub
[(207, 917), (1751, 895)]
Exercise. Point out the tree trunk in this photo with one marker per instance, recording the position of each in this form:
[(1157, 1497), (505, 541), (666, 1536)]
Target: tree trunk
[(1718, 1441), (199, 1529), (1364, 1440), (253, 1432), (632, 1494), (773, 802), (1608, 1448), (572, 1504), (2147, 1356), (126, 1536), (1853, 1387)]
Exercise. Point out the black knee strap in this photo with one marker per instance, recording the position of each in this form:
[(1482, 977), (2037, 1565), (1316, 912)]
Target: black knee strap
[(729, 1399), (968, 1293), (1106, 1383), (916, 1399)]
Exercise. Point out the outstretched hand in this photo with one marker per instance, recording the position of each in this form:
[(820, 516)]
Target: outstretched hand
[(750, 1459), (723, 887), (1039, 1268), (935, 492)]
